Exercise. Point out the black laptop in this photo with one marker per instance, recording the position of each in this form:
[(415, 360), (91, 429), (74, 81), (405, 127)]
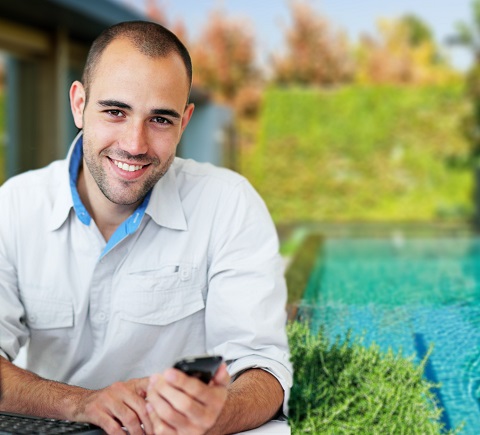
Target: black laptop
[(16, 424)]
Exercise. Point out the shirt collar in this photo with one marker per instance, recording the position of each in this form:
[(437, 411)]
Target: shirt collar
[(63, 200), (76, 157), (165, 206)]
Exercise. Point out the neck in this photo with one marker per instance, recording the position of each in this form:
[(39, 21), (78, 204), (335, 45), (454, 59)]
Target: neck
[(107, 215)]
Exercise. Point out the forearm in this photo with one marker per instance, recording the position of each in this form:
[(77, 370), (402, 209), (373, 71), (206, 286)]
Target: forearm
[(25, 392), (254, 398)]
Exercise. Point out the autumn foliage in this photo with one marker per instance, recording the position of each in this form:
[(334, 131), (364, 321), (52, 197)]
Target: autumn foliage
[(224, 56), (315, 54), (405, 53)]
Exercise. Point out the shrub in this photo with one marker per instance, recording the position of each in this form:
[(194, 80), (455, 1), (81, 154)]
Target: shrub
[(347, 388), (362, 153)]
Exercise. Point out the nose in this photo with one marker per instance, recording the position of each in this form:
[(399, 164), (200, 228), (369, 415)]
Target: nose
[(136, 141)]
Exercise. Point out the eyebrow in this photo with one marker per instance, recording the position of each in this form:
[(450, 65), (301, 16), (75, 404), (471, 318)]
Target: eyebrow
[(164, 112), (168, 112), (114, 103)]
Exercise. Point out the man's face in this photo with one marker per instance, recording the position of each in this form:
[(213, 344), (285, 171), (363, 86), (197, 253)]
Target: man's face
[(133, 121)]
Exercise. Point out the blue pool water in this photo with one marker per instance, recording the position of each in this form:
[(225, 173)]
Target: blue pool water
[(406, 294)]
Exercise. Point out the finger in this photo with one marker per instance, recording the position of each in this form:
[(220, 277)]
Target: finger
[(138, 404), (108, 424), (129, 405), (122, 402), (163, 417), (189, 384), (98, 410), (147, 422), (199, 402), (202, 393), (129, 419), (155, 420), (221, 376), (159, 426)]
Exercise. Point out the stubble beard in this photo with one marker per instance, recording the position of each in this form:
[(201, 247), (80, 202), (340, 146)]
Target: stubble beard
[(123, 192)]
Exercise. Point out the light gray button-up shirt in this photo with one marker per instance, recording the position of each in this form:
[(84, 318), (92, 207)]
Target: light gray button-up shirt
[(197, 272)]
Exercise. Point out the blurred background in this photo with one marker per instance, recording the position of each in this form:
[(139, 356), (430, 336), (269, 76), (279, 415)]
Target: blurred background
[(336, 111)]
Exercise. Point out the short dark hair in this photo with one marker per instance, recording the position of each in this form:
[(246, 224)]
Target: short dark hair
[(151, 39)]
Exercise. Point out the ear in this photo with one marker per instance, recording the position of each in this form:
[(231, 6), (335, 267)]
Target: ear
[(187, 114), (77, 102)]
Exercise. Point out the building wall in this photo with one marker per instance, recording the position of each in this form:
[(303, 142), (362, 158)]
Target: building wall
[(208, 136)]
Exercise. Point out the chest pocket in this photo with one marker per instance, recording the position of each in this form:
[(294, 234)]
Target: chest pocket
[(161, 296), (48, 313)]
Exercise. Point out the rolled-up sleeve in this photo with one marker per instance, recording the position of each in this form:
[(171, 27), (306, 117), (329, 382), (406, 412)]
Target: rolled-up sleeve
[(245, 311)]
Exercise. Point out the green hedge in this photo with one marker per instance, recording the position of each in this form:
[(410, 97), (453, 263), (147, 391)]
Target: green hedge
[(349, 389), (362, 153)]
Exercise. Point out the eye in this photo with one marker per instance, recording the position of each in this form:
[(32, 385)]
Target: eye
[(161, 120), (115, 113)]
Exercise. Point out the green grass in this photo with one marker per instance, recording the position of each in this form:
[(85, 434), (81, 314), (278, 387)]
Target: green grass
[(346, 388), (362, 153)]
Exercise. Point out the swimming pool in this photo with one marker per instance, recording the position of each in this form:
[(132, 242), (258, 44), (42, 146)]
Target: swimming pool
[(406, 294)]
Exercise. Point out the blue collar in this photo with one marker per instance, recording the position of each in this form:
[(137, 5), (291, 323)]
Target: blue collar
[(127, 227)]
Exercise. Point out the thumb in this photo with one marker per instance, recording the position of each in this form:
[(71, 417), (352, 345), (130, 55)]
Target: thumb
[(221, 376)]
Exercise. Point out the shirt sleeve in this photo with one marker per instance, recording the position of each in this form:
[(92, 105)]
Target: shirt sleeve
[(13, 331), (245, 309)]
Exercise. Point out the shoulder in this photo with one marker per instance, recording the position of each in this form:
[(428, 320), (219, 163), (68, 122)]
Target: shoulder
[(192, 176), (220, 188), (35, 184), (188, 170)]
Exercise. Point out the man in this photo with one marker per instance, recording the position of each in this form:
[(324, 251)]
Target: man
[(122, 259)]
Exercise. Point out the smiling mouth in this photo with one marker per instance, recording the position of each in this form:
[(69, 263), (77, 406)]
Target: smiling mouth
[(127, 167)]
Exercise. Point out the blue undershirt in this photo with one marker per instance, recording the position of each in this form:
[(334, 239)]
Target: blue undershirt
[(127, 227)]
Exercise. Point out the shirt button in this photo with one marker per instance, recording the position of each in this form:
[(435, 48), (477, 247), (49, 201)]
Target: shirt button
[(185, 275), (101, 316)]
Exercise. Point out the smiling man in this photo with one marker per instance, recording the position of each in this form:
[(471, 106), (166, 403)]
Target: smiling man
[(122, 259), (133, 112)]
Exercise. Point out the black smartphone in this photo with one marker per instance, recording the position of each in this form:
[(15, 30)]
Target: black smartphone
[(201, 367)]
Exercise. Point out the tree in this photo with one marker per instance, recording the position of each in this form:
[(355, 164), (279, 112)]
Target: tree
[(468, 35), (405, 53), (155, 12), (417, 31), (224, 56), (315, 53)]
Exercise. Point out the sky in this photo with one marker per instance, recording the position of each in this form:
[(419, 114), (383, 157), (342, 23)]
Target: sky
[(269, 18)]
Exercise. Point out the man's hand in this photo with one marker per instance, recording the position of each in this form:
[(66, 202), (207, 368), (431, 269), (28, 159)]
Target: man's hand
[(181, 404), (120, 404)]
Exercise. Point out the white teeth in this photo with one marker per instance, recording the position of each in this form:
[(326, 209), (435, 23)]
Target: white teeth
[(127, 167)]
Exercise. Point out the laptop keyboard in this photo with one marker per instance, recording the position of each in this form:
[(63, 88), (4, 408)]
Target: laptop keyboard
[(21, 424)]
